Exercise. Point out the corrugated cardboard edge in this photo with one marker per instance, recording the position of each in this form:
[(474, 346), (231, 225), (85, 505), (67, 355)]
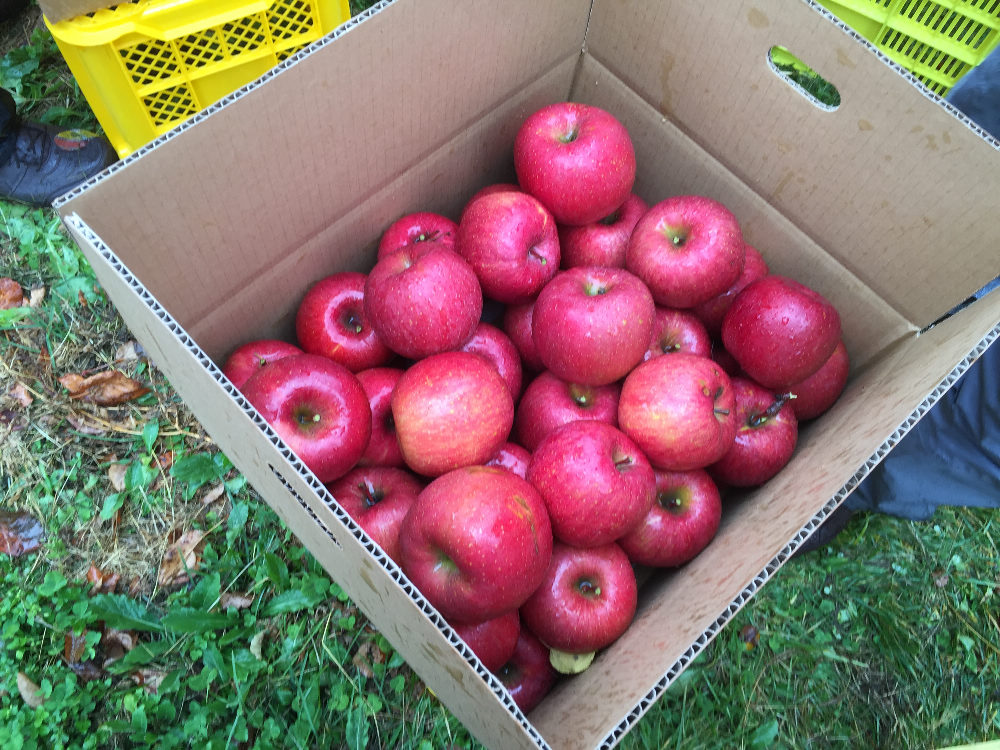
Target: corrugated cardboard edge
[(647, 701), (80, 230)]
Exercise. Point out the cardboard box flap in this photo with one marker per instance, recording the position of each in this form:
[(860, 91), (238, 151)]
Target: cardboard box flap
[(260, 173), (60, 10), (905, 195)]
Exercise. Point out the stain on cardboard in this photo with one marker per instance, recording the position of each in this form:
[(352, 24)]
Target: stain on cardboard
[(844, 59), (666, 68), (786, 178), (917, 129), (757, 18), (865, 125), (931, 142)]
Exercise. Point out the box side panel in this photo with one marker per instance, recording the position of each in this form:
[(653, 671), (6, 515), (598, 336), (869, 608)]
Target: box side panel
[(481, 154), (371, 579), (891, 183), (680, 612), (262, 172), (674, 164)]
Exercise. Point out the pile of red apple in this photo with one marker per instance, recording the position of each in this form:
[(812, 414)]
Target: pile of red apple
[(524, 407)]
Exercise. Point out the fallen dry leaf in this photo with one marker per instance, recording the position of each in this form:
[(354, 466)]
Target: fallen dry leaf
[(116, 475), (20, 533), (108, 388), (750, 636), (235, 601), (257, 644), (149, 679), (20, 393), (181, 556), (36, 296), (116, 643), (368, 653), (74, 647), (11, 294), (213, 494), (29, 691), (130, 351), (84, 424), (101, 582)]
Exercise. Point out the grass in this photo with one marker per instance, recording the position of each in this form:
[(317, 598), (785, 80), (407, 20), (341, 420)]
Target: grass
[(168, 606)]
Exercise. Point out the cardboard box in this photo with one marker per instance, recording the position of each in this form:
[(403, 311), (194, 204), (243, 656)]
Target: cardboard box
[(208, 238), (60, 10)]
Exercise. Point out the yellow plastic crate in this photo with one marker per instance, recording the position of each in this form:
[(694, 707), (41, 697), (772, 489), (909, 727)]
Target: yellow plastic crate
[(938, 41), (146, 66)]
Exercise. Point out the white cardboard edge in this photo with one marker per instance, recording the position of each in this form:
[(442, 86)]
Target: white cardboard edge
[(80, 226)]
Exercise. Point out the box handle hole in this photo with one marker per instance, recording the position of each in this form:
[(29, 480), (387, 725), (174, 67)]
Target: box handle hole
[(803, 79)]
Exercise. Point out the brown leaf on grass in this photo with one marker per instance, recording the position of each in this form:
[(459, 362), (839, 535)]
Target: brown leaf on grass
[(149, 679), (750, 637), (941, 578), (20, 533), (19, 393), (74, 647), (181, 556), (28, 689), (116, 475), (213, 494), (12, 418), (101, 582), (81, 299), (108, 388), (85, 425), (165, 460), (257, 643), (235, 600), (130, 351), (11, 294), (36, 296), (116, 643), (366, 656)]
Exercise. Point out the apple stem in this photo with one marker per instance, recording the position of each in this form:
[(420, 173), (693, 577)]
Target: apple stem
[(623, 462), (722, 412), (756, 420), (371, 495), (426, 236)]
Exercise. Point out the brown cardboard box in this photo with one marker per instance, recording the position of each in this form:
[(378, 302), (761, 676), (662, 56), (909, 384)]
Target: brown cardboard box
[(60, 10), (208, 237)]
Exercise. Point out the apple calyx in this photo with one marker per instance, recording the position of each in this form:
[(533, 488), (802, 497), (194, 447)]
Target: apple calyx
[(307, 417), (760, 418), (672, 502), (588, 588), (582, 397), (567, 663), (352, 322), (445, 564)]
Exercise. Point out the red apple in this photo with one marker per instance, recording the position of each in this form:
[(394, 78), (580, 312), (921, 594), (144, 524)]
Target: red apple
[(678, 331), (687, 249), (383, 446), (549, 402), (679, 410), (451, 410), (528, 675), (820, 391), (492, 640), (331, 321), (497, 187), (513, 458), (766, 434), (578, 160), (586, 600), (780, 331), (476, 543), (317, 407), (681, 521), (510, 240), (591, 325), (423, 299), (595, 481), (415, 228), (378, 498), (604, 242), (517, 325), (714, 310), (495, 346), (254, 355)]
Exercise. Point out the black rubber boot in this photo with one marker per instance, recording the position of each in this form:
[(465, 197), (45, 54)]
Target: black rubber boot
[(38, 163)]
